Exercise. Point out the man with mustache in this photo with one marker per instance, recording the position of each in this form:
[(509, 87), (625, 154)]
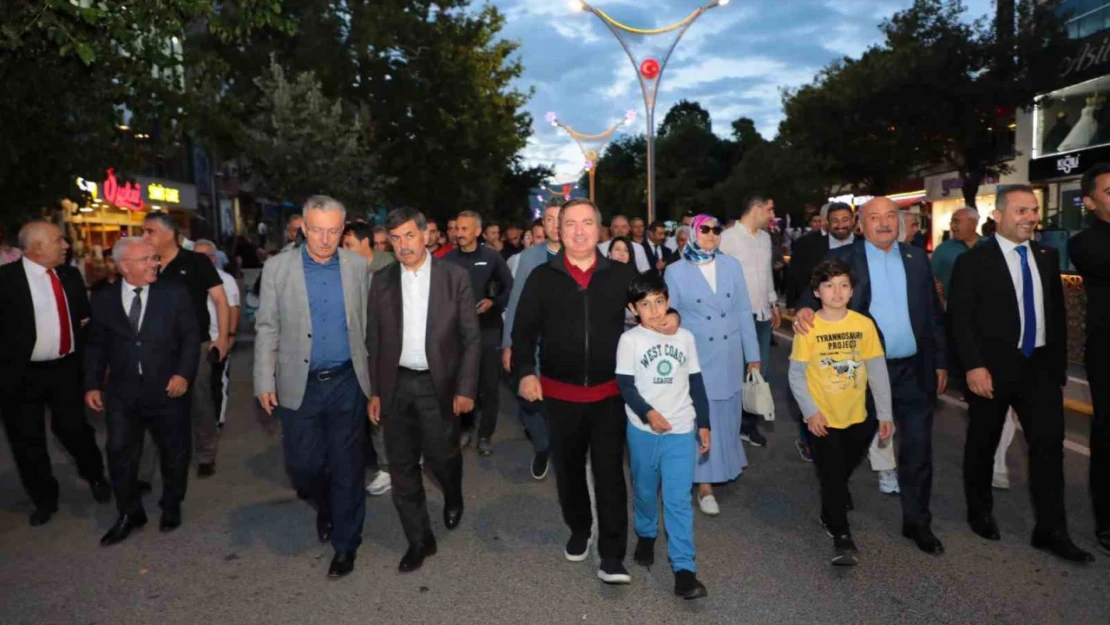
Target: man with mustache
[(1007, 307), (895, 288)]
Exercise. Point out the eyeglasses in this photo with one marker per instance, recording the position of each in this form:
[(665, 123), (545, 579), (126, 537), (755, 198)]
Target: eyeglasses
[(714, 229), (143, 259)]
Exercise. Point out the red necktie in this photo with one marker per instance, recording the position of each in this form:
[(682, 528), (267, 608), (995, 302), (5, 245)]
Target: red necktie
[(63, 313)]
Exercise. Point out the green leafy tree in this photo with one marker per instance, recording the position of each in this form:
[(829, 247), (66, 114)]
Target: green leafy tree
[(302, 143), (72, 72)]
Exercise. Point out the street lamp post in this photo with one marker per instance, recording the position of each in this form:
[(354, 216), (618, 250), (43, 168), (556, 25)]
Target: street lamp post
[(649, 71), (591, 145)]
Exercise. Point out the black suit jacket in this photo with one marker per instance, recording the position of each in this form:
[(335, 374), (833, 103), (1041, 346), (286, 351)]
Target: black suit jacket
[(926, 318), (17, 319), (668, 256), (166, 344), (806, 253), (986, 324), (453, 340)]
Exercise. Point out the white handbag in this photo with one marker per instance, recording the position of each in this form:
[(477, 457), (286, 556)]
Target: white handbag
[(757, 396)]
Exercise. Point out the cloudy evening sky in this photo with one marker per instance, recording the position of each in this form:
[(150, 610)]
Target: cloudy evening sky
[(734, 60)]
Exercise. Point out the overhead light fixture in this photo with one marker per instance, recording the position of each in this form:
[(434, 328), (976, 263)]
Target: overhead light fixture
[(124, 127), (577, 5), (85, 209)]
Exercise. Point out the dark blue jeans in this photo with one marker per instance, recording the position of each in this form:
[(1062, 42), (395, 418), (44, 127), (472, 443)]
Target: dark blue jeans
[(325, 452)]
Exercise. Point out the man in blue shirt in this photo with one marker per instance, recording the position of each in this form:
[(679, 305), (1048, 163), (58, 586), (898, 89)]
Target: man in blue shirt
[(895, 288), (312, 320)]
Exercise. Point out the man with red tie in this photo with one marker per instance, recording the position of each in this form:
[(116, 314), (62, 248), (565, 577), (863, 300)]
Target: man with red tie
[(42, 319)]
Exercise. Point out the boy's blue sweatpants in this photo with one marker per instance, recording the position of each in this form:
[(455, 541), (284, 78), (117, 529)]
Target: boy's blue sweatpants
[(666, 458)]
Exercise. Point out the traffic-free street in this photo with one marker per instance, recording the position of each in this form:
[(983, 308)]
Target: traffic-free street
[(247, 551)]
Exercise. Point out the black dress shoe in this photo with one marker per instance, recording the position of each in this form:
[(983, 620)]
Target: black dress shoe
[(206, 469), (1103, 538), (122, 528), (171, 520), (42, 514), (101, 491), (323, 527), (985, 526), (1062, 547), (452, 515), (414, 557), (924, 538), (342, 564)]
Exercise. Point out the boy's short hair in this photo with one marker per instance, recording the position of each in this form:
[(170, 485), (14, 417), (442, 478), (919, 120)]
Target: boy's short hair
[(644, 285), (828, 269)]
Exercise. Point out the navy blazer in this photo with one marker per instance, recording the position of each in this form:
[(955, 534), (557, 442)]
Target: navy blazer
[(17, 319), (926, 317), (986, 323), (167, 343)]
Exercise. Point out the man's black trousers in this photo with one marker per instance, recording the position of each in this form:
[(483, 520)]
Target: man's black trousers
[(597, 429), (415, 426)]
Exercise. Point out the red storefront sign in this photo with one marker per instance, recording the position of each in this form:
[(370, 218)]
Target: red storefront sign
[(129, 196)]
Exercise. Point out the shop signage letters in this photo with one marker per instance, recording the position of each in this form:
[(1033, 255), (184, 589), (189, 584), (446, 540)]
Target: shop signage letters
[(160, 193), (88, 186), (1091, 55), (129, 195), (1067, 164)]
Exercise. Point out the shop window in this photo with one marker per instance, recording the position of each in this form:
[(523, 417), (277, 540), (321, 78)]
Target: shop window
[(1073, 118)]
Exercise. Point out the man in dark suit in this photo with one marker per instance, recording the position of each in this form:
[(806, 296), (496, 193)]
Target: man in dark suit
[(424, 345), (42, 319), (1090, 253), (894, 287), (658, 254), (813, 247), (1007, 307), (143, 337)]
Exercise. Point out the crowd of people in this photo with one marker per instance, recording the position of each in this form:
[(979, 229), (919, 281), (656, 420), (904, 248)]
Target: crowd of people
[(383, 350)]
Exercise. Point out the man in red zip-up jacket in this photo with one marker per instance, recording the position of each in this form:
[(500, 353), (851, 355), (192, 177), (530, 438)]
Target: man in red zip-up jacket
[(573, 306)]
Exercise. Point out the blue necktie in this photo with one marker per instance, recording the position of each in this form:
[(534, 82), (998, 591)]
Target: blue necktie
[(1028, 305)]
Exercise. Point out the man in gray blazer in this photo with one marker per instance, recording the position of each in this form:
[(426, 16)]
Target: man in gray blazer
[(531, 413), (310, 369), (424, 341)]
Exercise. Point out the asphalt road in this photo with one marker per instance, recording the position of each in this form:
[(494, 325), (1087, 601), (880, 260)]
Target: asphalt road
[(247, 551)]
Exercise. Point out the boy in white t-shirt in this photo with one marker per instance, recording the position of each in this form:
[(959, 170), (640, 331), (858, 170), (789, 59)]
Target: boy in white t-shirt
[(668, 424)]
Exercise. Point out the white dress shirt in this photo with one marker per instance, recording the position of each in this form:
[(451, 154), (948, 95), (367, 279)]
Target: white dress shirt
[(128, 293), (638, 254), (48, 328), (231, 288), (754, 253), (416, 287), (1013, 262), (835, 242)]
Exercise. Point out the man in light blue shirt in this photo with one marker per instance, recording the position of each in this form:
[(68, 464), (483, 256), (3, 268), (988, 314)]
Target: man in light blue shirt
[(890, 310), (894, 285)]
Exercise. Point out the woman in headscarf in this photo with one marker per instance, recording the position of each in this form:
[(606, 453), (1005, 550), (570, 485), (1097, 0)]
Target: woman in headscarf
[(707, 288)]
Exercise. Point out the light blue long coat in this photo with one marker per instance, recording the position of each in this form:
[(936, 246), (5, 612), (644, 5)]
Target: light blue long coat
[(722, 322)]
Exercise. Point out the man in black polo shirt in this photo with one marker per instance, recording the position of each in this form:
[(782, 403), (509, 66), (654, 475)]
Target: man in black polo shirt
[(199, 277), (491, 283)]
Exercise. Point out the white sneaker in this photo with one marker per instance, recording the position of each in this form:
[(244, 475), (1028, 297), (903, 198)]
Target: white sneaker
[(888, 482), (1001, 481), (380, 485), (708, 505)]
